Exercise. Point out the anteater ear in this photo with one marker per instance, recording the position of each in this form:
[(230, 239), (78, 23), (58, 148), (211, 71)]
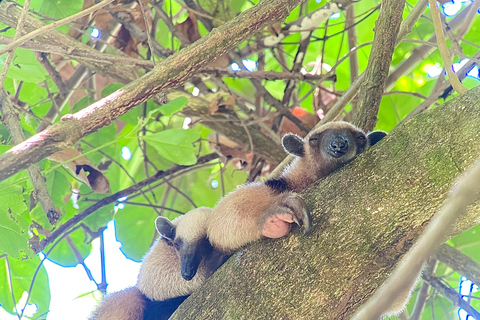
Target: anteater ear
[(293, 144), (165, 228), (375, 136)]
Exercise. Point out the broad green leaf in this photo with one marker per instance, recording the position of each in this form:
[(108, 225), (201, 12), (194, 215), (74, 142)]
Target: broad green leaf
[(173, 106), (13, 232), (24, 67), (101, 216), (58, 186), (21, 274), (175, 145), (135, 227), (61, 8)]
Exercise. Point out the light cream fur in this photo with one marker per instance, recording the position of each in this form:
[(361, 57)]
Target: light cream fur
[(127, 304), (160, 277)]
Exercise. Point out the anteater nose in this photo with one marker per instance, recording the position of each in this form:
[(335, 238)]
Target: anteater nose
[(339, 144)]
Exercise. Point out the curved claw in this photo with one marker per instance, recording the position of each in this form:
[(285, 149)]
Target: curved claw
[(290, 208), (305, 220)]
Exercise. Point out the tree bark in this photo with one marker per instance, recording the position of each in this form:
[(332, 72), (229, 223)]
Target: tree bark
[(365, 218)]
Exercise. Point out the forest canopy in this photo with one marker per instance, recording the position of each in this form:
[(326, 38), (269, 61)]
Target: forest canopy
[(128, 110)]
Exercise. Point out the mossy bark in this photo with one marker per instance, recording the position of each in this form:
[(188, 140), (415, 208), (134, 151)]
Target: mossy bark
[(366, 217)]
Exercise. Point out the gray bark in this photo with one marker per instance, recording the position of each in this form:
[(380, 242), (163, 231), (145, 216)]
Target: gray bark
[(365, 218)]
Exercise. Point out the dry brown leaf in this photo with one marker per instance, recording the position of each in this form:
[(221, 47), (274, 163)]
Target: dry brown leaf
[(95, 179), (213, 108), (230, 102), (189, 28)]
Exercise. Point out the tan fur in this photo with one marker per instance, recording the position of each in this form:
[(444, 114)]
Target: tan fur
[(127, 304), (160, 277), (234, 219)]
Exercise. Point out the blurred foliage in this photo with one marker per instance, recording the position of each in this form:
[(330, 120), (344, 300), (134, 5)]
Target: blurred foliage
[(151, 138)]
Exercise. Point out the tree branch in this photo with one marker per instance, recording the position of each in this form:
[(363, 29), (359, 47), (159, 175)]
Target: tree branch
[(169, 73), (370, 94), (113, 198)]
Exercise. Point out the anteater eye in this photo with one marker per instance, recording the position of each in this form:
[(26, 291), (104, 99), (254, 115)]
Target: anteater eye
[(313, 139)]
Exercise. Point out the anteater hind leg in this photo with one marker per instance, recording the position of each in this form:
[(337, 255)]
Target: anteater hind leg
[(277, 219)]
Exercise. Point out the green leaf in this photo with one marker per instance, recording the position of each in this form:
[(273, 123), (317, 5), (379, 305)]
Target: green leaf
[(61, 8), (24, 67), (21, 273), (13, 234), (134, 228), (175, 145), (64, 253), (173, 106)]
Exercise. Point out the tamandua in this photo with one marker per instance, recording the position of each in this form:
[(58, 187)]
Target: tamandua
[(269, 208)]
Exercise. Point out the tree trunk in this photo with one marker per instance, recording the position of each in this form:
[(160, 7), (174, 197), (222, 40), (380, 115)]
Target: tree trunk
[(365, 218)]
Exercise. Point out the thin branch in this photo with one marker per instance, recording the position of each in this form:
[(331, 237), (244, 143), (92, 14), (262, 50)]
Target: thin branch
[(11, 51), (387, 29), (114, 197), (422, 295), (53, 25), (149, 38), (102, 286), (442, 47), (153, 206), (10, 284), (452, 295), (459, 262), (12, 122), (268, 75), (168, 73), (419, 53)]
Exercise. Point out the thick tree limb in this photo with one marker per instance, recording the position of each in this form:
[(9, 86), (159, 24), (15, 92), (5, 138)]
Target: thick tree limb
[(365, 218), (169, 73), (387, 27)]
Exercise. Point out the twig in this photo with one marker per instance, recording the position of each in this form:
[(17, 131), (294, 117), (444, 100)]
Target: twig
[(351, 92), (10, 284), (149, 39), (422, 295), (12, 122), (459, 262), (387, 29), (17, 35), (442, 47), (53, 25), (153, 206), (451, 295), (461, 195), (268, 75), (419, 53), (114, 197)]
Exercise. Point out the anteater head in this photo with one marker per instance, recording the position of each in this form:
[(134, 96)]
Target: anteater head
[(330, 146), (188, 235)]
